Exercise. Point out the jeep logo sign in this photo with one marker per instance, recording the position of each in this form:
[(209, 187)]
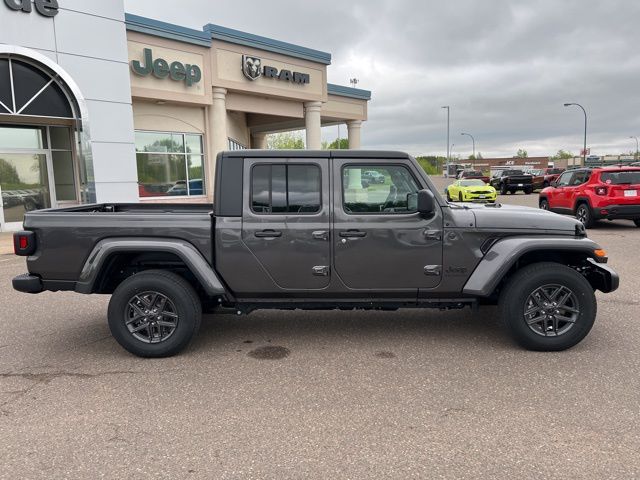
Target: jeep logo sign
[(160, 68), (48, 8), (252, 69)]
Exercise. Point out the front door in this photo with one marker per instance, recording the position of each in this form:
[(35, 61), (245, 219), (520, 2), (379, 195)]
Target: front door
[(381, 244), (285, 221)]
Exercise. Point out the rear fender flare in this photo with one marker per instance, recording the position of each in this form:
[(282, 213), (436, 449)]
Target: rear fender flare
[(505, 253), (193, 259)]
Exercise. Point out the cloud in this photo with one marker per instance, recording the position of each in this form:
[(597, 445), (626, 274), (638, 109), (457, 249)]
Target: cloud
[(504, 67)]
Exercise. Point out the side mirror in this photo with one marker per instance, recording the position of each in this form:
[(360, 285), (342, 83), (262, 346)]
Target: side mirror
[(423, 202), (554, 184)]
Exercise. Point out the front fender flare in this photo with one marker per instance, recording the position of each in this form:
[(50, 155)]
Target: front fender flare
[(506, 252), (184, 250)]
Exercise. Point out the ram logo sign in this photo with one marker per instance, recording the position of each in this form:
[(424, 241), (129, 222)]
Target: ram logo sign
[(253, 69)]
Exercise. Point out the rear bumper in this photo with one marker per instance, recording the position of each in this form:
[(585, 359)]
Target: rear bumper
[(27, 283), (603, 277), (613, 212)]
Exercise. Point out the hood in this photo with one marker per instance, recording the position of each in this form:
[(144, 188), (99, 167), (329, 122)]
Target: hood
[(512, 217)]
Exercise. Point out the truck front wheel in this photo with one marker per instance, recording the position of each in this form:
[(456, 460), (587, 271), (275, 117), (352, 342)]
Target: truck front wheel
[(154, 314), (548, 307)]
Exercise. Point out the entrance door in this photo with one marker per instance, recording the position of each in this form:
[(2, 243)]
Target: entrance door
[(285, 222), (380, 243), (36, 171)]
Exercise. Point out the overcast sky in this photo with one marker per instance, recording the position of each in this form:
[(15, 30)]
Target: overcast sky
[(504, 67)]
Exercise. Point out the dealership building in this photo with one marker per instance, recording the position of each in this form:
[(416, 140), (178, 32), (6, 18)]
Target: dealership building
[(99, 105)]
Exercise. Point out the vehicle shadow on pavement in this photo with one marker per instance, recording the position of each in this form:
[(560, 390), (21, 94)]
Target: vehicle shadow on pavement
[(457, 328)]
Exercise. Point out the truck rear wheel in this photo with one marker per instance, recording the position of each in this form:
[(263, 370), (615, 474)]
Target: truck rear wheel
[(154, 314), (548, 307)]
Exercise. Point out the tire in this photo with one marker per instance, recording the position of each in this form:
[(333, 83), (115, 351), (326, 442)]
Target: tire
[(543, 204), (503, 189), (460, 197), (181, 310), (637, 222), (449, 199), (583, 213), (519, 294), (528, 190)]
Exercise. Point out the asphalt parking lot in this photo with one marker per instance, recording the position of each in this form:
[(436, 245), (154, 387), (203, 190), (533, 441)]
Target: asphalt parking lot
[(407, 394)]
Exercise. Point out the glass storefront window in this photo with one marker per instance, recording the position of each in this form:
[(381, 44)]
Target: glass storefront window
[(169, 164)]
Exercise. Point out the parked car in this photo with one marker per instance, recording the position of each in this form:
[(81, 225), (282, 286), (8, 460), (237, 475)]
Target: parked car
[(373, 176), (180, 188), (551, 175), (473, 174), (288, 232), (591, 194), (510, 181), (473, 190)]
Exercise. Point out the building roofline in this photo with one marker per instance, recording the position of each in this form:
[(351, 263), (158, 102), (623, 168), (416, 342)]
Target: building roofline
[(157, 28), (342, 91), (230, 35)]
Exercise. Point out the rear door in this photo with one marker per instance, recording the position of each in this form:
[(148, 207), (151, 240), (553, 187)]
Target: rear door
[(285, 221), (379, 243)]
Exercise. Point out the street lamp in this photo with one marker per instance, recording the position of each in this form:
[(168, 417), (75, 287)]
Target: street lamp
[(448, 124), (584, 150), (636, 138), (474, 147)]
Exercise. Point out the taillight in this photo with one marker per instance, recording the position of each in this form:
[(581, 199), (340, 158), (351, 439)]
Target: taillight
[(601, 190), (24, 243)]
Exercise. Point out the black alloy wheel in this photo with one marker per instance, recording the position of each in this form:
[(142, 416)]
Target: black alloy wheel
[(548, 306), (154, 313)]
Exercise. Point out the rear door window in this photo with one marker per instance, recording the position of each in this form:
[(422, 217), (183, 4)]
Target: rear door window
[(285, 189)]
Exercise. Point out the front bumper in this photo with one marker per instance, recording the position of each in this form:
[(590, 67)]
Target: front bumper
[(602, 277), (473, 197), (27, 283), (614, 212)]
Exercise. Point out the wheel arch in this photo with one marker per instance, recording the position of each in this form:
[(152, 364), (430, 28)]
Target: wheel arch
[(508, 255), (121, 257)]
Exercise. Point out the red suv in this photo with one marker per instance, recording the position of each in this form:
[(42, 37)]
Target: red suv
[(595, 193)]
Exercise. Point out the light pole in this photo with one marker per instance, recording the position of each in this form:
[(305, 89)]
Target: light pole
[(636, 138), (474, 147), (584, 150), (448, 125)]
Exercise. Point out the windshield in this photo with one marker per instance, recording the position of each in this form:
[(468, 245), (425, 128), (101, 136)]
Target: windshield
[(472, 183), (472, 173), (624, 177), (513, 172)]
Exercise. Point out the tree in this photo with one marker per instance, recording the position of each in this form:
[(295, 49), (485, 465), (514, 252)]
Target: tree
[(477, 156), (431, 164), (342, 145), (285, 141), (8, 173), (561, 155), (522, 153)]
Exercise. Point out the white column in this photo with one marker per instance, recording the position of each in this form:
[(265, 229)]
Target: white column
[(312, 125), (259, 141), (218, 122), (353, 131)]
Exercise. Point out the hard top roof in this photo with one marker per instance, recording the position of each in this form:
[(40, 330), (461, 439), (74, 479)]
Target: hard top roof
[(249, 153)]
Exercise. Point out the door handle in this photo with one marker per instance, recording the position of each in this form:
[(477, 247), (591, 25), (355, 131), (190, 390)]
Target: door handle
[(433, 234), (320, 235), (268, 234), (353, 234)]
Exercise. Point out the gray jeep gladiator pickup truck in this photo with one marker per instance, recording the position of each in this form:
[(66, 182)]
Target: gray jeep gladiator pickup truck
[(302, 230)]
